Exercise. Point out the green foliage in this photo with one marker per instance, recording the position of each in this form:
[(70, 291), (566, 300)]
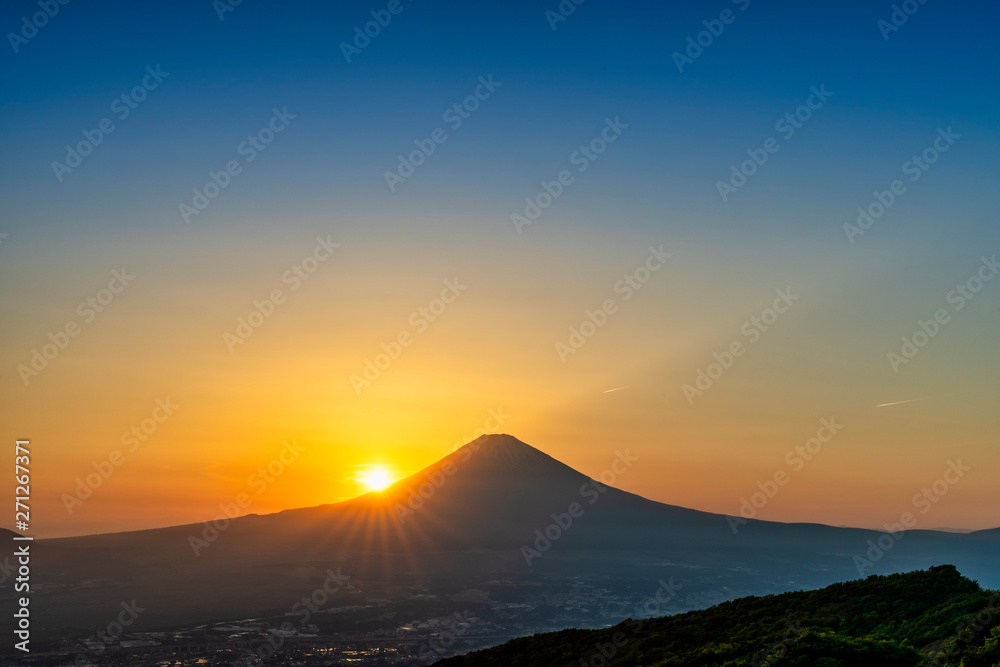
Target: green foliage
[(930, 617)]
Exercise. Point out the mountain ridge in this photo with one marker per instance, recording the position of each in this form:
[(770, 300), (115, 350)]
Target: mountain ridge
[(496, 516), (899, 620), (504, 452)]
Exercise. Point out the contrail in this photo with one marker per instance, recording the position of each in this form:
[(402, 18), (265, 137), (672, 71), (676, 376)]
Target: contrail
[(608, 391), (911, 400)]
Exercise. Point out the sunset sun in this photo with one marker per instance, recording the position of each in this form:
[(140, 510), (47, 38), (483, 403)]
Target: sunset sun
[(375, 479)]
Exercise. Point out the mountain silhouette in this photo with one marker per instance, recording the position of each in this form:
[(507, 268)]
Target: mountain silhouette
[(496, 521)]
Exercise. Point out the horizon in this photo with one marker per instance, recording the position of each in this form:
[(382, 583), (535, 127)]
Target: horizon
[(407, 483), (224, 231)]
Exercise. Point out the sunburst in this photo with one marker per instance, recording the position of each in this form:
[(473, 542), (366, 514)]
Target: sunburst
[(375, 478)]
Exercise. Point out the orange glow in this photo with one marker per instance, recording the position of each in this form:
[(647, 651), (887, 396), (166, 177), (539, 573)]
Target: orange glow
[(488, 364), (376, 478)]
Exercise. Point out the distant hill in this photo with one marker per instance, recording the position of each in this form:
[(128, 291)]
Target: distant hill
[(931, 617)]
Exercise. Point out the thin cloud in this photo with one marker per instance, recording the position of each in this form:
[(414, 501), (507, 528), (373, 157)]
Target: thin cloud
[(910, 400)]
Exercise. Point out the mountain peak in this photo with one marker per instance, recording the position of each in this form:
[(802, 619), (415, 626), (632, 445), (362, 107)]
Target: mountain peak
[(501, 449), (501, 441)]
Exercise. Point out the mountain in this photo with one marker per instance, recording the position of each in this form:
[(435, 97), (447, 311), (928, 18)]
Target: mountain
[(497, 530), (902, 620)]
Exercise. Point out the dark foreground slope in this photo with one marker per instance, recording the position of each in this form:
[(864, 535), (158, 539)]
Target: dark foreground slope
[(934, 616)]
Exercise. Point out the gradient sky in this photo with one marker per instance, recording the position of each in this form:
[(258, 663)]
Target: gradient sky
[(494, 347)]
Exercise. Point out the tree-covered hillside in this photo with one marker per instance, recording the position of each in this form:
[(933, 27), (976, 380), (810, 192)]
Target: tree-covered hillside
[(930, 617)]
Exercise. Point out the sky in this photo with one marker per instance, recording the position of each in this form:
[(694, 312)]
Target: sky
[(745, 241)]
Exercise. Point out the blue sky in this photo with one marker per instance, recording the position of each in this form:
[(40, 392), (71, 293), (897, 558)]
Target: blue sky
[(656, 184), (686, 129)]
